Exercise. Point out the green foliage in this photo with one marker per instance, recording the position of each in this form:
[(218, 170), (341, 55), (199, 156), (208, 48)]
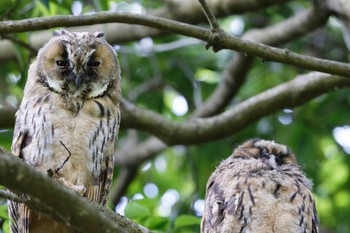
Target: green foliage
[(142, 211), (189, 222), (152, 79)]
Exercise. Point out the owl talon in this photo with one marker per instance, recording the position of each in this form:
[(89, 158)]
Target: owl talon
[(79, 189)]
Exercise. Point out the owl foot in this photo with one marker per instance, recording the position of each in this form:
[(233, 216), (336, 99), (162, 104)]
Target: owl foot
[(79, 189)]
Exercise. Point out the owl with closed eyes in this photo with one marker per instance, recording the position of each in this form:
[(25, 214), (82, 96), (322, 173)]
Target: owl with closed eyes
[(67, 123), (259, 189)]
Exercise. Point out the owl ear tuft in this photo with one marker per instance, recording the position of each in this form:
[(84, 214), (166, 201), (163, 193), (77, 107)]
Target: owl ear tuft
[(99, 34), (60, 32)]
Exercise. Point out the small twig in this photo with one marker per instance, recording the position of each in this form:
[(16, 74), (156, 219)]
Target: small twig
[(214, 26), (210, 16), (66, 160), (10, 196)]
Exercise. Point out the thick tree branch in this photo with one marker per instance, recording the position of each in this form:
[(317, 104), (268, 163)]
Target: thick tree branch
[(235, 74), (180, 10), (222, 40), (286, 95), (64, 203), (233, 78)]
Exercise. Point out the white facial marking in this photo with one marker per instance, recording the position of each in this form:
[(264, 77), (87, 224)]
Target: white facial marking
[(98, 89), (55, 85)]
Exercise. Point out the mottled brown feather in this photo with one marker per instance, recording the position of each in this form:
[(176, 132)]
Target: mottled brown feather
[(68, 121), (259, 189)]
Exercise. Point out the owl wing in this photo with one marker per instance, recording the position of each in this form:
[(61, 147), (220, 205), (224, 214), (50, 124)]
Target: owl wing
[(18, 213), (99, 192), (314, 219), (222, 206)]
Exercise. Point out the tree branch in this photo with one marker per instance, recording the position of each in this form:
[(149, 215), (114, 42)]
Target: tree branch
[(222, 40), (180, 10), (287, 95), (210, 16), (233, 78), (79, 212), (10, 196)]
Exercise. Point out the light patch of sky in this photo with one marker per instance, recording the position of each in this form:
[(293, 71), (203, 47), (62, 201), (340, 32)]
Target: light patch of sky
[(145, 47), (198, 207), (14, 78), (237, 26), (151, 190), (134, 7), (137, 196), (12, 100), (179, 105), (77, 8), (160, 164), (169, 198), (146, 167), (341, 135), (286, 117), (120, 207)]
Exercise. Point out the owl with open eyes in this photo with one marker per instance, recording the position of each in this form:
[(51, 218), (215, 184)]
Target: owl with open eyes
[(67, 124), (259, 189)]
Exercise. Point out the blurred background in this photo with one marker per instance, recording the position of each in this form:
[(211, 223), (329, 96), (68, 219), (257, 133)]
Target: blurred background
[(173, 75)]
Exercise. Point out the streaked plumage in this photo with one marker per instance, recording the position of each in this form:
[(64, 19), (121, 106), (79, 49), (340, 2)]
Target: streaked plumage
[(67, 124), (259, 189)]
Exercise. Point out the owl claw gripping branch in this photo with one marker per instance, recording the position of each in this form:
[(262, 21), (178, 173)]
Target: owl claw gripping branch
[(68, 121)]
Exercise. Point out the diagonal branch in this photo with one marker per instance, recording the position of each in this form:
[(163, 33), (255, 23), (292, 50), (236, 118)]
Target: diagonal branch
[(287, 95), (233, 77), (181, 10), (210, 16), (79, 212)]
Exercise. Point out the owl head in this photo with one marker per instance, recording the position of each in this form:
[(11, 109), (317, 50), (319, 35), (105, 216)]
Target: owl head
[(269, 152), (79, 65)]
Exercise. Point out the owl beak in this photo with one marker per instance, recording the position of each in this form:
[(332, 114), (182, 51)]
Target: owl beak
[(77, 81)]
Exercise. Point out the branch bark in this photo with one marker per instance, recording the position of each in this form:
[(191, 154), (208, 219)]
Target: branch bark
[(217, 39), (59, 201), (233, 77), (287, 95), (180, 10)]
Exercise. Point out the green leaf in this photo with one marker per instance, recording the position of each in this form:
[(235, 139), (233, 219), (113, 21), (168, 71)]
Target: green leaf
[(3, 212), (6, 226), (136, 211), (156, 222), (206, 75), (42, 7), (186, 220)]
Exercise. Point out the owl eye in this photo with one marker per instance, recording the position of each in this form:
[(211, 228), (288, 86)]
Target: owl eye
[(94, 63), (61, 63)]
